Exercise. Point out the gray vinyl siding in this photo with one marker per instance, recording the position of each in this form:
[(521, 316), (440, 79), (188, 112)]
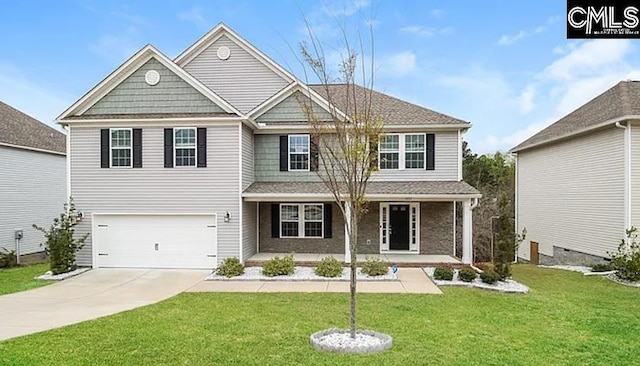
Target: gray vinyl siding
[(241, 80), (247, 157), (155, 189), (571, 194), (267, 163), (33, 191), (249, 229), (170, 95), (290, 110), (635, 175)]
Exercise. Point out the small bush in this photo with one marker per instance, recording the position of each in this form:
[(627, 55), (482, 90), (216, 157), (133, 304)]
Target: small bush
[(467, 274), (375, 267), (601, 267), (627, 260), (8, 258), (485, 266), (443, 274), (278, 266), (328, 267), (489, 277), (230, 267)]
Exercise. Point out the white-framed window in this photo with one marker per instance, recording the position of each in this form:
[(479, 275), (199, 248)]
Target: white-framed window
[(299, 152), (184, 146), (402, 151), (414, 151), (389, 152), (120, 147), (301, 220)]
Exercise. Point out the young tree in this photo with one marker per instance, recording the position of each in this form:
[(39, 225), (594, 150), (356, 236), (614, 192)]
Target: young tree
[(345, 143)]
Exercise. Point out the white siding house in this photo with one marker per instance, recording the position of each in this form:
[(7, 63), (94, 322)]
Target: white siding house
[(33, 180), (576, 181)]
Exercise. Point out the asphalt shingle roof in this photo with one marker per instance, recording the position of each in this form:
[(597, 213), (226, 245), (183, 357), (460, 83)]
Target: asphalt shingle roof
[(393, 111), (623, 99), (392, 188), (17, 128)]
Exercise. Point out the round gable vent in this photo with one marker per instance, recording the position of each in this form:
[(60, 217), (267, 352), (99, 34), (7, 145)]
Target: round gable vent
[(152, 77), (224, 52)]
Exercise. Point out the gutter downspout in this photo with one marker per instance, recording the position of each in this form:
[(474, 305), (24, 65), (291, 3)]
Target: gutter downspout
[(627, 175)]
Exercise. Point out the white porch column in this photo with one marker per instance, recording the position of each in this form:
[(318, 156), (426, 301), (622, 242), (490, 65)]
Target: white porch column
[(467, 232), (347, 239)]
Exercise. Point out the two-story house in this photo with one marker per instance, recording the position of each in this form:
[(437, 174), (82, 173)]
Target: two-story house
[(181, 163)]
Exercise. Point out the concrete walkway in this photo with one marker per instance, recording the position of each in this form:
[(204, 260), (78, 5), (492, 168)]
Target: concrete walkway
[(411, 281), (94, 294)]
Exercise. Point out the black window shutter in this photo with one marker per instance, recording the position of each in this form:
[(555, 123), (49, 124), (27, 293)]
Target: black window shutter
[(328, 216), (104, 148), (431, 155), (168, 147), (275, 220), (202, 147), (373, 150), (284, 153), (137, 148), (313, 153)]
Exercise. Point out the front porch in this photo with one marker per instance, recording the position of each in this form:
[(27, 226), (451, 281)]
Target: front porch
[(401, 260)]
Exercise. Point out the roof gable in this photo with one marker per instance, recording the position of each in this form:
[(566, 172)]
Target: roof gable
[(171, 94), (616, 104), (128, 68), (21, 130), (244, 68)]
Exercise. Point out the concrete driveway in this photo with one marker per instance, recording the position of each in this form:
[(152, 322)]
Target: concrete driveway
[(91, 295)]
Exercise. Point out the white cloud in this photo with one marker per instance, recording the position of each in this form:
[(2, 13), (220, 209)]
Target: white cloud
[(193, 15), (420, 30), (436, 13), (116, 47), (398, 65), (526, 99), (20, 92), (508, 40), (491, 142), (587, 58)]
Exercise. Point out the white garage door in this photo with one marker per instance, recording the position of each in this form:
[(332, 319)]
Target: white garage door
[(155, 241)]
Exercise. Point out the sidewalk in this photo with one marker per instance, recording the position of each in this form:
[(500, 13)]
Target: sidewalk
[(411, 281)]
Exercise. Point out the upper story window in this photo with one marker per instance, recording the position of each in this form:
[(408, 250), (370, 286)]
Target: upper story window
[(299, 152), (120, 147), (405, 151), (185, 146)]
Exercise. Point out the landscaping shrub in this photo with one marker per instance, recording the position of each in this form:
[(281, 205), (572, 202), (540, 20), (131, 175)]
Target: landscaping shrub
[(627, 260), (601, 267), (8, 258), (485, 266), (230, 267), (278, 266), (60, 243), (443, 273), (490, 277), (467, 274), (328, 267), (375, 267)]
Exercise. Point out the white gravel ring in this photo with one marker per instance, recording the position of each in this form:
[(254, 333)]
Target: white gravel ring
[(301, 274), (340, 341)]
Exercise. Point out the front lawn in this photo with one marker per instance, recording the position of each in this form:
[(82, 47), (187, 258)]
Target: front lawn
[(21, 278), (566, 319)]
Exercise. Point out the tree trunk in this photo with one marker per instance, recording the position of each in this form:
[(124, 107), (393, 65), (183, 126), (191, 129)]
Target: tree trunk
[(353, 235)]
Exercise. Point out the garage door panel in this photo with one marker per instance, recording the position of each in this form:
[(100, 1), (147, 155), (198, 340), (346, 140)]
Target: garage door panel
[(156, 241)]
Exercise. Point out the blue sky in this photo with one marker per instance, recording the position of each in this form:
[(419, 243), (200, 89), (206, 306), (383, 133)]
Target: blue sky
[(505, 66)]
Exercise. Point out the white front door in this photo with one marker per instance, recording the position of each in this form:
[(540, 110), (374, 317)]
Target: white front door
[(155, 241), (400, 227)]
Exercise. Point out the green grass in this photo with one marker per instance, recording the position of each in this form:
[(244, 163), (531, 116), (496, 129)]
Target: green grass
[(566, 319), (21, 278)]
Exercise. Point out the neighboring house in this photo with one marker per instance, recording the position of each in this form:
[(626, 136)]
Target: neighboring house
[(578, 180), (181, 163), (33, 179)]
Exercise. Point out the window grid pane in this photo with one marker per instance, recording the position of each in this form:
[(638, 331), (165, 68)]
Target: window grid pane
[(313, 229), (120, 157), (414, 160), (389, 160), (289, 229), (298, 144), (299, 152), (289, 213), (390, 143), (185, 137), (414, 143), (120, 138), (298, 162), (185, 157), (313, 213)]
